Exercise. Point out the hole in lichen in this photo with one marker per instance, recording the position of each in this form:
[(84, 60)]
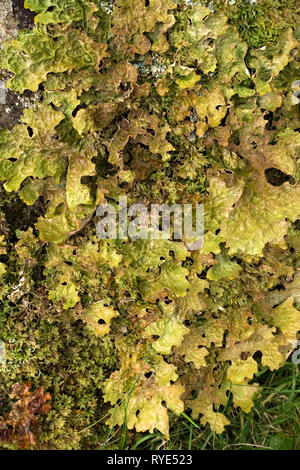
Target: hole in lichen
[(101, 322), (203, 274), (30, 131), (269, 117), (75, 111), (276, 177), (226, 333), (124, 86), (85, 179), (223, 120), (188, 262), (257, 356)]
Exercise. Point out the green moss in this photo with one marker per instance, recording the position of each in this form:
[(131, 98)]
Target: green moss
[(58, 352), (262, 21)]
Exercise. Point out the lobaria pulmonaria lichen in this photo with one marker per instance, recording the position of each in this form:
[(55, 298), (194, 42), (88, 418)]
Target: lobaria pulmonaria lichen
[(161, 101)]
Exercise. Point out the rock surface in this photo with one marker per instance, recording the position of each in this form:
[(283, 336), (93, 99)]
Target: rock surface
[(13, 18)]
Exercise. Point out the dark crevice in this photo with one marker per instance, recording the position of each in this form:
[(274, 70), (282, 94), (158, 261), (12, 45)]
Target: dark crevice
[(276, 177), (24, 16)]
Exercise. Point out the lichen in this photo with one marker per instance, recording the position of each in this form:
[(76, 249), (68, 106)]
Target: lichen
[(164, 102)]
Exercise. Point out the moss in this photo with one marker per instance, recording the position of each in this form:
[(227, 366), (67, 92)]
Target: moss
[(59, 353)]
